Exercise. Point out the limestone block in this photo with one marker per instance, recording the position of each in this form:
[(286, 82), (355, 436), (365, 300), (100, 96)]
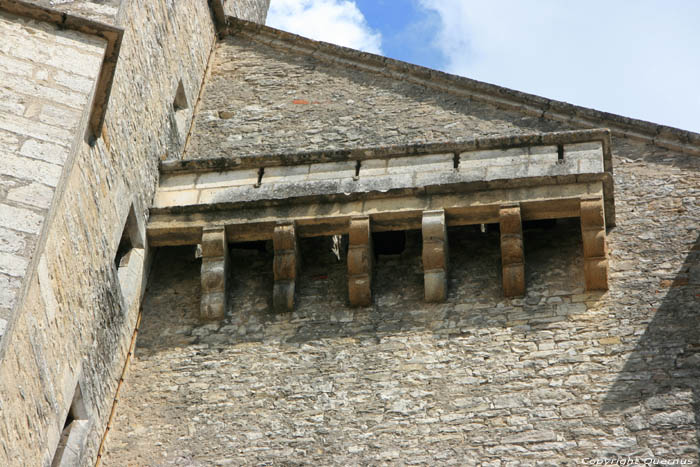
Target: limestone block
[(44, 151), (9, 286), (12, 265), (286, 174), (175, 198), (227, 178), (59, 116), (29, 169), (28, 127), (16, 67), (589, 156), (595, 252), (499, 172), (285, 266), (72, 99), (435, 255), (360, 260), (326, 170), (23, 220), (373, 167), (492, 157), (171, 182), (34, 194), (11, 241), (215, 263), (429, 163), (512, 254)]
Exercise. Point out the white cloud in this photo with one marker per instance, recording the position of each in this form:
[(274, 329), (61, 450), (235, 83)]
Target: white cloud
[(336, 21), (636, 59)]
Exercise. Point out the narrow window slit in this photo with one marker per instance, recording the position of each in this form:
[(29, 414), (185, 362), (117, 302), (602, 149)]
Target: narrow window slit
[(73, 434)]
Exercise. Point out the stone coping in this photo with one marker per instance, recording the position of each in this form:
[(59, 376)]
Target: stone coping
[(113, 35), (488, 164), (385, 152), (661, 135)]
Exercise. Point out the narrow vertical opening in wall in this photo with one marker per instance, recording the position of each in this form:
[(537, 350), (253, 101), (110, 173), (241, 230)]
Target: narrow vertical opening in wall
[(129, 257), (73, 434), (130, 239), (182, 111)]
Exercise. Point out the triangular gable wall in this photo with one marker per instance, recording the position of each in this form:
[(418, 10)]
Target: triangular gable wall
[(271, 91)]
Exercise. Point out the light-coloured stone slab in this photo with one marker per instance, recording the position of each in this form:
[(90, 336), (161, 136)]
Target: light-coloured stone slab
[(175, 198), (429, 163), (286, 174), (177, 182), (11, 241), (44, 151), (25, 168), (328, 170), (373, 167), (34, 194), (13, 265), (20, 219), (228, 178)]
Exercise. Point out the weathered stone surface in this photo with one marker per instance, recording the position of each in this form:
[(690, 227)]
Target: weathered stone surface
[(336, 107), (249, 10), (74, 324), (512, 254), (360, 262), (595, 250), (556, 376), (286, 266), (435, 255), (215, 271)]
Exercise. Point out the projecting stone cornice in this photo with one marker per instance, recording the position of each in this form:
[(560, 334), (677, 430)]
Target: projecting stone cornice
[(431, 187), (112, 34), (503, 162), (501, 97)]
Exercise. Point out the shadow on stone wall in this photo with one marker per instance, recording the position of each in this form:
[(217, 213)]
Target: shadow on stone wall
[(553, 274), (662, 374)]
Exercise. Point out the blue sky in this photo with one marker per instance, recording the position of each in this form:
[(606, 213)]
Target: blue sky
[(638, 58)]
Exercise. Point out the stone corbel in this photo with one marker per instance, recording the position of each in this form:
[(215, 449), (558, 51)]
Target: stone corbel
[(595, 252), (215, 263), (435, 255), (360, 260), (285, 267), (512, 254)]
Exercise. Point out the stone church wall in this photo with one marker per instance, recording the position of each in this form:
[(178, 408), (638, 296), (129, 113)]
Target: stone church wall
[(47, 77), (75, 323), (558, 377)]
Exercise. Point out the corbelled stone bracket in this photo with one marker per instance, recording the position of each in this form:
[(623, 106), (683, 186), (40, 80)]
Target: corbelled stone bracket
[(285, 266), (595, 252), (360, 259), (435, 255), (512, 254), (215, 262)]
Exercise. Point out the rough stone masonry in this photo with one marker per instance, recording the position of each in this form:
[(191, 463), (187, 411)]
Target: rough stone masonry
[(558, 376), (553, 377)]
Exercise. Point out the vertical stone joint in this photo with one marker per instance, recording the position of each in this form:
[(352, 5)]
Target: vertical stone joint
[(285, 266), (512, 252), (215, 263), (435, 255), (595, 251), (360, 261)]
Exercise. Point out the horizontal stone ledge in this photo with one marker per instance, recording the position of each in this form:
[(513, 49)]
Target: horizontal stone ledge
[(386, 214), (192, 200), (204, 164)]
